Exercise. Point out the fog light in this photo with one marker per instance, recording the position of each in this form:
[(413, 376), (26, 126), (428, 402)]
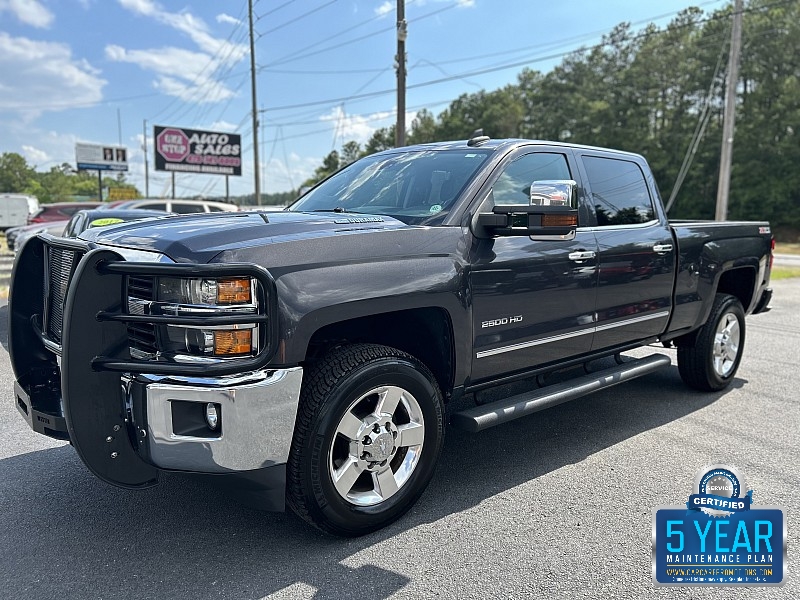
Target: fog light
[(212, 416)]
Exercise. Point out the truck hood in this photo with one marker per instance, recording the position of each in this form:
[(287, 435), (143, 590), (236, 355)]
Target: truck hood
[(198, 238)]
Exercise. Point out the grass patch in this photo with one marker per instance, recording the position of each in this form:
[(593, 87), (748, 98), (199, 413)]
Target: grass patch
[(782, 248), (783, 273)]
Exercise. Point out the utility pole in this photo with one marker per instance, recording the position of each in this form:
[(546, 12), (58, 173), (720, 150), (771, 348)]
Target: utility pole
[(256, 165), (729, 118), (146, 167), (400, 59)]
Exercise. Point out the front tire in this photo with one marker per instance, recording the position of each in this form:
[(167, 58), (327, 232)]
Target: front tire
[(710, 363), (368, 434)]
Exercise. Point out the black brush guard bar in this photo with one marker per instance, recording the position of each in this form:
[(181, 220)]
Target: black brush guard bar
[(95, 349), (224, 366)]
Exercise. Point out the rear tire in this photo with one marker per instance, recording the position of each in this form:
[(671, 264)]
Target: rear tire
[(710, 363), (368, 434)]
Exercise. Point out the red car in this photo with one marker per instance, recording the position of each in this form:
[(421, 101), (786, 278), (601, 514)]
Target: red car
[(59, 211)]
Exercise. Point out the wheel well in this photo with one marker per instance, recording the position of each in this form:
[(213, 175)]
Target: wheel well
[(740, 283), (425, 333)]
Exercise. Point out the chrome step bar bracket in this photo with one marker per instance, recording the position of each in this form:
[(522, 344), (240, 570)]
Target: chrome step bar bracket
[(501, 411)]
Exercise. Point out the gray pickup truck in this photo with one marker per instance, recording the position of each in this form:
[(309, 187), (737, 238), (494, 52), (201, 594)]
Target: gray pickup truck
[(310, 353)]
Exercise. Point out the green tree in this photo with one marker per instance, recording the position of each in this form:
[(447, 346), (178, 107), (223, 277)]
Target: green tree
[(330, 164), (15, 174), (382, 139), (423, 128), (351, 152)]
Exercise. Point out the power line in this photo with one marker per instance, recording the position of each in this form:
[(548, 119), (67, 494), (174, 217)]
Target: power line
[(298, 18), (226, 45), (492, 69), (294, 57), (274, 10)]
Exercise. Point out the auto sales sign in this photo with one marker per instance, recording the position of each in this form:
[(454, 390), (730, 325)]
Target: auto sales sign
[(194, 151)]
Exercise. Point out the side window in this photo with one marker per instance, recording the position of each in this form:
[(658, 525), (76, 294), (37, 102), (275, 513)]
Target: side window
[(513, 186), (153, 206), (185, 209), (215, 209), (619, 191), (73, 227)]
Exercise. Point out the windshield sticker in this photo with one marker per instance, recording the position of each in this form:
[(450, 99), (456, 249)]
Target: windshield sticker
[(470, 155), (105, 222), (436, 208)]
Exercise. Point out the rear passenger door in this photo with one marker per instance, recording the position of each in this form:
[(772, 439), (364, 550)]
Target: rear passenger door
[(635, 250)]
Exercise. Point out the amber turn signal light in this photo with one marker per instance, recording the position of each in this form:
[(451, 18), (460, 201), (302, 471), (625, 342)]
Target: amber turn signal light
[(559, 220), (234, 291), (232, 342)]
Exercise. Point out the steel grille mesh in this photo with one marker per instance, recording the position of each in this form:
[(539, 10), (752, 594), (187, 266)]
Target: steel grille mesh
[(141, 336), (61, 266)]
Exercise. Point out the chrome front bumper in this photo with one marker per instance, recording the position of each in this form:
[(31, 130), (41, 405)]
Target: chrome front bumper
[(257, 416)]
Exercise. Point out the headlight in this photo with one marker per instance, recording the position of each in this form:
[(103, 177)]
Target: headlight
[(205, 291), (196, 299)]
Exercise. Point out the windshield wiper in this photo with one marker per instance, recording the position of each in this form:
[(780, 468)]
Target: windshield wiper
[(335, 209)]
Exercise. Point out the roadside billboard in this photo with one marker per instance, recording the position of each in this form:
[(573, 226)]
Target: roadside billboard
[(195, 151), (101, 158)]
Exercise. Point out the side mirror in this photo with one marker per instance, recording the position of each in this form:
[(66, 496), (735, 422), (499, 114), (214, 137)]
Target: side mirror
[(552, 213)]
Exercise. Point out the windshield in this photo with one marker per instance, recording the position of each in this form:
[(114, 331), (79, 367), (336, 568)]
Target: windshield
[(418, 188)]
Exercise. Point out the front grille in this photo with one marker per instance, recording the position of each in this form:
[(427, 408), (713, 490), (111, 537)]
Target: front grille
[(141, 336), (59, 269)]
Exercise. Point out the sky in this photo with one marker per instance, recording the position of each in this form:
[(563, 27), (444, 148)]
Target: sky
[(107, 71)]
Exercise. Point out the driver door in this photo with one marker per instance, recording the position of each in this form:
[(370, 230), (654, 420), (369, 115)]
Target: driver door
[(533, 299)]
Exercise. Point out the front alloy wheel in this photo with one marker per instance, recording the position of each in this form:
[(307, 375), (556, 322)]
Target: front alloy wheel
[(369, 431), (377, 445)]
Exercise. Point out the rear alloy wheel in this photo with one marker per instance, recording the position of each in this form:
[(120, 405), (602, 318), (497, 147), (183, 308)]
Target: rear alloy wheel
[(711, 362), (368, 434)]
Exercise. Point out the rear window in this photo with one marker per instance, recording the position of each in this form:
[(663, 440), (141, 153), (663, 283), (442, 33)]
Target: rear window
[(185, 209), (153, 206), (619, 191)]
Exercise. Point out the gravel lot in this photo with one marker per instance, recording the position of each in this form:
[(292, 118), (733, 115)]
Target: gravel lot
[(559, 503)]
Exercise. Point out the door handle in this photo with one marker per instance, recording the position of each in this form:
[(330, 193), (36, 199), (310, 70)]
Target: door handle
[(581, 255), (662, 248)]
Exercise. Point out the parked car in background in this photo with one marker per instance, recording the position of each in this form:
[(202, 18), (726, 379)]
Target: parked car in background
[(179, 206), (59, 211), (15, 209), (104, 217), (19, 235)]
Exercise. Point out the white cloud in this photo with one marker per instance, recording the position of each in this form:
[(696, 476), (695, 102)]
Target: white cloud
[(34, 155), (41, 148), (181, 73), (186, 74), (222, 126), (185, 22), (225, 18), (356, 127), (384, 9), (36, 76), (282, 175), (30, 12), (459, 3)]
